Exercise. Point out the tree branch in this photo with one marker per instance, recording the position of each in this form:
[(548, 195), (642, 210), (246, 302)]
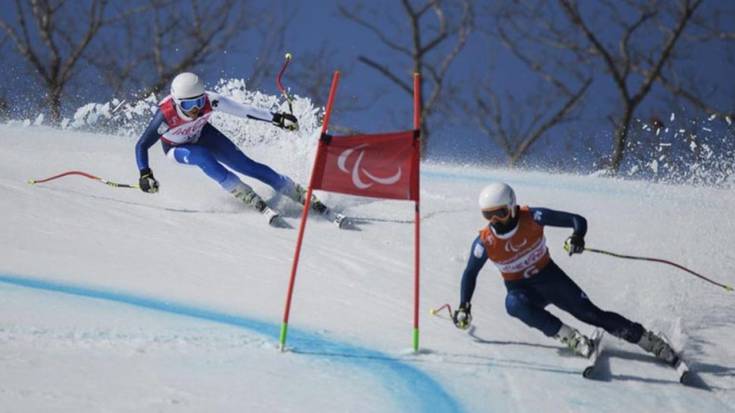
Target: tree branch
[(557, 118), (625, 40), (667, 49), (387, 73), (374, 29), (576, 18)]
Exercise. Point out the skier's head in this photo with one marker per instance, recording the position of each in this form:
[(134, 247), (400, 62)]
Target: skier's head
[(187, 91), (497, 203)]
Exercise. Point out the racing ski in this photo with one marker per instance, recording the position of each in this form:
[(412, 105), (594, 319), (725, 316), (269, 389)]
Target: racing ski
[(596, 340)]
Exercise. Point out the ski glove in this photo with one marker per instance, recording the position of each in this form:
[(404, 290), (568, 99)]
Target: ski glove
[(574, 244), (462, 317), (147, 182), (285, 121)]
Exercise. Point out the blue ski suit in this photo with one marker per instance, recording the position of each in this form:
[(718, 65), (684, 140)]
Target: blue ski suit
[(530, 292), (197, 142)]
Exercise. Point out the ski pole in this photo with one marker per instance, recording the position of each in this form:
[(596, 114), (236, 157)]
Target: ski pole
[(286, 60), (681, 267), (435, 311), (84, 174)]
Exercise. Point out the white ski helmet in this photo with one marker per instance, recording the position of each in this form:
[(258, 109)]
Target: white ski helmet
[(496, 196), (186, 85)]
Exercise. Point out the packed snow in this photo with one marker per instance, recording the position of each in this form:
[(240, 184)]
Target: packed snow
[(117, 300)]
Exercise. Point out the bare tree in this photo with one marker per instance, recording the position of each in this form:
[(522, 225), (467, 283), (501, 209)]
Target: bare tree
[(438, 33), (682, 87), (508, 124), (513, 122), (4, 108), (270, 31), (4, 105), (52, 36), (649, 56), (695, 89), (112, 58), (310, 75), (185, 39)]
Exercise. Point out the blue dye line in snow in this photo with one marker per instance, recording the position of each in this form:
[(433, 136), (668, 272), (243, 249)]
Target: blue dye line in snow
[(542, 180), (413, 389)]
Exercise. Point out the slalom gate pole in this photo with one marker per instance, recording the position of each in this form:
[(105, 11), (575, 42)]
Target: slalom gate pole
[(305, 214), (681, 267), (417, 219), (435, 311), (84, 174), (286, 60)]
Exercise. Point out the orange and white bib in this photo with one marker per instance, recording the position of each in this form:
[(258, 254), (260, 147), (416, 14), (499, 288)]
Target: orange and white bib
[(521, 253)]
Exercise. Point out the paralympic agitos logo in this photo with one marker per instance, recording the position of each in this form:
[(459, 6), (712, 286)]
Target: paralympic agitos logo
[(362, 178)]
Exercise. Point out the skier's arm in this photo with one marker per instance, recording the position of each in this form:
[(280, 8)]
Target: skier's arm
[(149, 137), (552, 218), (476, 261), (224, 104), (575, 243)]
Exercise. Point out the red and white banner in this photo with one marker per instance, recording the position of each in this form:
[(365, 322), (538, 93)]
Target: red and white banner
[(379, 166)]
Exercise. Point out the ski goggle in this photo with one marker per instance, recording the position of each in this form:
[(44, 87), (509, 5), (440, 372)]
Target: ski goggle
[(496, 214), (193, 103)]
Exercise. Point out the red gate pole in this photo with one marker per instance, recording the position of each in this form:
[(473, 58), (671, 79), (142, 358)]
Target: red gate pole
[(417, 220), (305, 213), (84, 174), (286, 60)]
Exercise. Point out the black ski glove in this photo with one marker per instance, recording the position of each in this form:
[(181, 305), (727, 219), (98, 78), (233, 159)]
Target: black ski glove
[(147, 182), (574, 244), (462, 317), (285, 121)]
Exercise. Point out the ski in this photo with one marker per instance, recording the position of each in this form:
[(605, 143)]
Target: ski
[(677, 363), (682, 370), (596, 341), (340, 220), (279, 222), (680, 365), (275, 219)]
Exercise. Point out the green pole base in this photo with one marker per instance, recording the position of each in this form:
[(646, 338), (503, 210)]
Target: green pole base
[(284, 333), (415, 340)]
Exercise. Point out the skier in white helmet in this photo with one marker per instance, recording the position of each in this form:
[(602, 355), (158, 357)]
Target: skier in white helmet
[(182, 125), (514, 241)]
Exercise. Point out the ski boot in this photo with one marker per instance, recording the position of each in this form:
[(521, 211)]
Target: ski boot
[(298, 194), (246, 194), (575, 341), (657, 346)]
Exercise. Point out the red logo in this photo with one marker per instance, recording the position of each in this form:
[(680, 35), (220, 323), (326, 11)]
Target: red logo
[(358, 170), (380, 166)]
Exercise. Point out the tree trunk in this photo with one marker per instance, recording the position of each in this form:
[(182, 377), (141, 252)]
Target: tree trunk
[(424, 120), (621, 138), (54, 103)]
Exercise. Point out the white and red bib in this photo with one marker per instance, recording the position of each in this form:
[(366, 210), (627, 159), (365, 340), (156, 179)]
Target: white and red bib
[(521, 253), (182, 130)]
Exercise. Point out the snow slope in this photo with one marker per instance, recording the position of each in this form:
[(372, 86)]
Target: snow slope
[(117, 300)]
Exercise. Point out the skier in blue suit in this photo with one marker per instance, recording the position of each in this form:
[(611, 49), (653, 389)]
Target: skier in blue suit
[(514, 241), (182, 125)]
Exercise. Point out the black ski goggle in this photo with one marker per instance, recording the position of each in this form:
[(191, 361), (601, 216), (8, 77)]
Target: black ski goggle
[(496, 214)]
